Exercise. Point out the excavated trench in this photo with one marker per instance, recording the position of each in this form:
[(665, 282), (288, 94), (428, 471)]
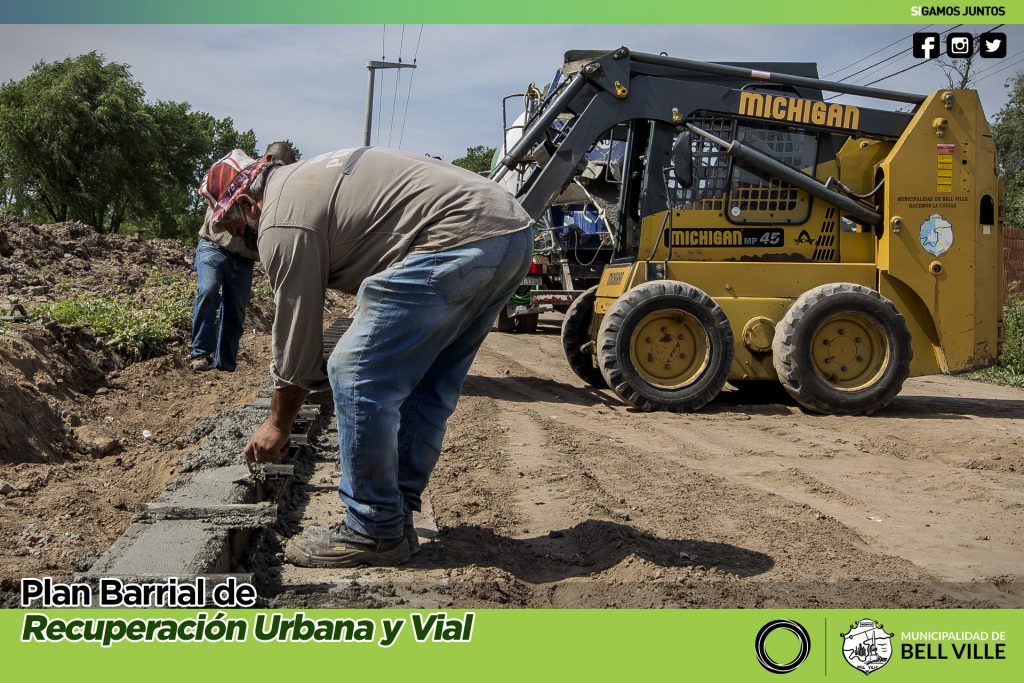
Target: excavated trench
[(217, 518)]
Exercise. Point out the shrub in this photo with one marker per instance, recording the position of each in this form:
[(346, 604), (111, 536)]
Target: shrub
[(1009, 367), (136, 326)]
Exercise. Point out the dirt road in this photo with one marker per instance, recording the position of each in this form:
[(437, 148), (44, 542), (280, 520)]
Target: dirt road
[(549, 493)]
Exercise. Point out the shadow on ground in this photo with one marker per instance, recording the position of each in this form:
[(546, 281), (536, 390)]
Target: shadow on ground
[(759, 397), (586, 549)]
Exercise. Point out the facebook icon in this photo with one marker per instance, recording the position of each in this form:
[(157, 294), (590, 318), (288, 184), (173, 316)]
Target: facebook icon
[(926, 45)]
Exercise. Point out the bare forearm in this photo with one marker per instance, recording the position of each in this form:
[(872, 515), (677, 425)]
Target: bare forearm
[(285, 405)]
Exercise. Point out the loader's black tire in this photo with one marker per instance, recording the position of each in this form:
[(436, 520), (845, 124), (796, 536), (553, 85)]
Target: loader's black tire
[(671, 326), (576, 333), (842, 349), (520, 324)]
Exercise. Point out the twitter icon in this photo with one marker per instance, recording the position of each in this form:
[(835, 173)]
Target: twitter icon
[(993, 45)]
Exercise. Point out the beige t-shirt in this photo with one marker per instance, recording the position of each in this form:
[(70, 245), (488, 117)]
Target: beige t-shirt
[(329, 223)]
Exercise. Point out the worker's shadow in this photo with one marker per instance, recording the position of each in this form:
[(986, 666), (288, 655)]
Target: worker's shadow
[(586, 549)]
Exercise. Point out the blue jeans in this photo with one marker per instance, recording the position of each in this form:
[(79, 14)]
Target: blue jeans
[(225, 281), (397, 373)]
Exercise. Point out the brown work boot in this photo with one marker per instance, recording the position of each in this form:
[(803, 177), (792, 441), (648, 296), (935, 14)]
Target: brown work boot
[(340, 547)]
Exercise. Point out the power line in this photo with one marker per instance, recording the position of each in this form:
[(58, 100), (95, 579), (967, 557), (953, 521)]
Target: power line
[(993, 73), (912, 66), (408, 92), (871, 70), (1001, 62), (926, 61), (874, 72), (871, 73), (398, 79), (962, 68), (856, 62), (908, 51), (868, 68), (380, 89), (897, 73)]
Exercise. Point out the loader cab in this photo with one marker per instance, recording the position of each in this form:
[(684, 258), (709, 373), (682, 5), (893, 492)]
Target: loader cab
[(632, 191), (661, 217)]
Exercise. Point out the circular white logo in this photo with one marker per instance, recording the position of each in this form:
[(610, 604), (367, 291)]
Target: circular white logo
[(936, 235)]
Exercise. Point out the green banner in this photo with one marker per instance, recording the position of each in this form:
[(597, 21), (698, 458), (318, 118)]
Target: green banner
[(523, 645), (521, 11)]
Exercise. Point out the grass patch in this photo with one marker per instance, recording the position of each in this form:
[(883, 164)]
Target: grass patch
[(137, 325), (263, 293), (1009, 368)]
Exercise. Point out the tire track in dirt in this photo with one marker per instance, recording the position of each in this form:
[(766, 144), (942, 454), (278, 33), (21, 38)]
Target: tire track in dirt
[(960, 523), (753, 505)]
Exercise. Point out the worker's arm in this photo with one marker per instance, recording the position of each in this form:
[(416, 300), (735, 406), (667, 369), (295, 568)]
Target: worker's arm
[(270, 442), (296, 263)]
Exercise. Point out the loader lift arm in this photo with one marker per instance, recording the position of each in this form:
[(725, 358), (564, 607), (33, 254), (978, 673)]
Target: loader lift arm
[(607, 89)]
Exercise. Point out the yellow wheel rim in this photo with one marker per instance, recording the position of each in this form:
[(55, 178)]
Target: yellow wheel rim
[(849, 351), (669, 349)]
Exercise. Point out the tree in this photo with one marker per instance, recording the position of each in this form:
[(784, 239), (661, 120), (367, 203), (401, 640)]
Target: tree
[(1008, 132), (76, 136), (960, 71), (187, 144), (477, 159), (182, 140), (78, 141)]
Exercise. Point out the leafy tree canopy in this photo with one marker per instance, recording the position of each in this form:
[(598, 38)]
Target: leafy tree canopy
[(476, 159), (1008, 131), (79, 141)]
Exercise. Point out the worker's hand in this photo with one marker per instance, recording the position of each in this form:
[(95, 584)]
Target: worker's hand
[(268, 444)]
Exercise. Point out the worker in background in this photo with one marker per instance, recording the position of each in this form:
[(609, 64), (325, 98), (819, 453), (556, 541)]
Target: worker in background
[(432, 252), (224, 264)]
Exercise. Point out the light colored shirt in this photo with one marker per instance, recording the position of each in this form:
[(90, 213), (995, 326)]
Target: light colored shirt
[(327, 223)]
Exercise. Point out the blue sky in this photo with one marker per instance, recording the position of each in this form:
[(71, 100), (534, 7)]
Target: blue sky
[(308, 83)]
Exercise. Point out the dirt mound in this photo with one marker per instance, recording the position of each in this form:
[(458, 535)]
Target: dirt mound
[(44, 373), (42, 262), (87, 433), (50, 373)]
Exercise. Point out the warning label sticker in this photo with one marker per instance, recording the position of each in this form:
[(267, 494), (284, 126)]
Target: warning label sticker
[(944, 170)]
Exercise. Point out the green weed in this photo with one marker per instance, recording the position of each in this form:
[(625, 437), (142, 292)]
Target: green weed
[(1009, 368), (137, 325)]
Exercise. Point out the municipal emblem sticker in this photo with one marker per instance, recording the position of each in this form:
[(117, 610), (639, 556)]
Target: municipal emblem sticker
[(866, 646), (936, 235)]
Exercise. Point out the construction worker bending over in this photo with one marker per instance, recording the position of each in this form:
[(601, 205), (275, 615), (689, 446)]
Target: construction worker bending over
[(432, 252)]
